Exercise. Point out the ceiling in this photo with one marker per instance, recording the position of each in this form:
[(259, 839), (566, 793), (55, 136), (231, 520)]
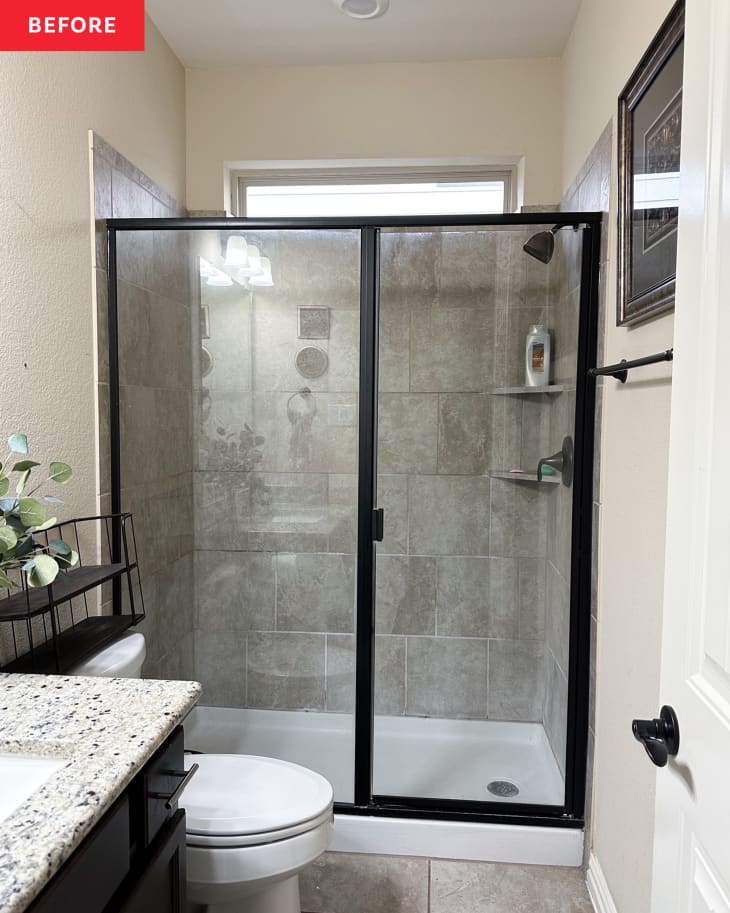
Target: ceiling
[(224, 33)]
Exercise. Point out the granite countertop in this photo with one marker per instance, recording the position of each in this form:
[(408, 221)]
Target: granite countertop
[(106, 729)]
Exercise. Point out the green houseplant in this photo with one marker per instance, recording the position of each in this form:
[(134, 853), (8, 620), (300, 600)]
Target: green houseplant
[(23, 517)]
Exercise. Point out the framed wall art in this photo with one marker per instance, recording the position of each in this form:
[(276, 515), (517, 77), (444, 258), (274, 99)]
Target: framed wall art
[(649, 141)]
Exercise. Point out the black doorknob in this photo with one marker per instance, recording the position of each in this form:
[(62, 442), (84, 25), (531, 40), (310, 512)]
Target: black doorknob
[(660, 737)]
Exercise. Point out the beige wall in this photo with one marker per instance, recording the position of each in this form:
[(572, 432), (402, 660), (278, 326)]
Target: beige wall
[(607, 42), (48, 103), (634, 452), (474, 108)]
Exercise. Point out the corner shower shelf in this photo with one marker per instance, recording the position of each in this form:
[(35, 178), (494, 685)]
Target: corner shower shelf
[(524, 476), (518, 391), (78, 634)]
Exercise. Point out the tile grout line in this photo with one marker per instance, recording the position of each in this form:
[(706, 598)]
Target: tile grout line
[(326, 655), (436, 600), (405, 676), (245, 668), (275, 562)]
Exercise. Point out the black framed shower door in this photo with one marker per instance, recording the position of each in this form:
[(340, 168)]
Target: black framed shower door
[(370, 516)]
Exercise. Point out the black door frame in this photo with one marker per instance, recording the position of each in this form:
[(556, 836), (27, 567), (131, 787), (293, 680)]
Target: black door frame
[(570, 814)]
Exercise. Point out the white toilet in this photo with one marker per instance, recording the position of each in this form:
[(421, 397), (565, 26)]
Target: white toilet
[(252, 823), (122, 659)]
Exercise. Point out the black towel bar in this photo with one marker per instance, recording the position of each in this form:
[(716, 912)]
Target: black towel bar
[(621, 370)]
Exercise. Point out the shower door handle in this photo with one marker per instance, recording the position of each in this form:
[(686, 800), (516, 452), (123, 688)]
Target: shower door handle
[(378, 524)]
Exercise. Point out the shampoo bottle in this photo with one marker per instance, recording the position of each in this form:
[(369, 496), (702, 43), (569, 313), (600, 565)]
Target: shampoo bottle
[(537, 356)]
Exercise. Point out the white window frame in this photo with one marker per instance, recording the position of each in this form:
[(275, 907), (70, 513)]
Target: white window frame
[(242, 178)]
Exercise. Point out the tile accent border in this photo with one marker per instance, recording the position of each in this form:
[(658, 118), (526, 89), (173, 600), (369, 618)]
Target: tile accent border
[(129, 169)]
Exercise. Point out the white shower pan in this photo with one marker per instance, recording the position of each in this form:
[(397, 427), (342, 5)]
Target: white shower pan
[(414, 756)]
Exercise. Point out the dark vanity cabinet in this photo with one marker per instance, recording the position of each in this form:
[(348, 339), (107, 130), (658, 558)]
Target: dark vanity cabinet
[(134, 859)]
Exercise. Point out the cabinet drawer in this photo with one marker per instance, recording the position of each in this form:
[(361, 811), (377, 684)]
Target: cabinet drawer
[(160, 886), (162, 777), (89, 879)]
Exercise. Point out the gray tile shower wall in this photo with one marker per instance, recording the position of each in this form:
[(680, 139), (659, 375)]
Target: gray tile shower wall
[(590, 191), (156, 402), (461, 572), (461, 583), (275, 479)]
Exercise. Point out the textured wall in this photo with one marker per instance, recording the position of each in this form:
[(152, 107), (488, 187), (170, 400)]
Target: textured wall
[(48, 102), (155, 373), (445, 110), (606, 44)]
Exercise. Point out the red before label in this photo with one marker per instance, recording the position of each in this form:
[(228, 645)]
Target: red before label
[(538, 357), (72, 25)]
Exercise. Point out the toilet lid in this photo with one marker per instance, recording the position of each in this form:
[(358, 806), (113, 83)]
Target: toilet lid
[(246, 795)]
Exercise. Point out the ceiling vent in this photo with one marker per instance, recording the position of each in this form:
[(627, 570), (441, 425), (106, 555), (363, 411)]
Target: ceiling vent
[(362, 9)]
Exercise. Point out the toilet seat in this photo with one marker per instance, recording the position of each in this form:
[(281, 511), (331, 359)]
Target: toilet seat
[(246, 800)]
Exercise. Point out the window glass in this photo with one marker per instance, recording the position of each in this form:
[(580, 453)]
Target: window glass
[(381, 199)]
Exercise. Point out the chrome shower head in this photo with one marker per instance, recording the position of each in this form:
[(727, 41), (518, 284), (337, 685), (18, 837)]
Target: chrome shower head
[(542, 245)]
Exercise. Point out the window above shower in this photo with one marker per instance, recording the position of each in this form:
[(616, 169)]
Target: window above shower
[(373, 192)]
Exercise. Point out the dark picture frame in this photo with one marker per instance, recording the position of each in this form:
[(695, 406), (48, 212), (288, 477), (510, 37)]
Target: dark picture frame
[(649, 135)]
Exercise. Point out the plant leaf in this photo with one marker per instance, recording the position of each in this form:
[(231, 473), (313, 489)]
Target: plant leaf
[(60, 547), (51, 500), (25, 547), (61, 472), (18, 443), (46, 525), (31, 512), (44, 571), (8, 539), (66, 562), (7, 505), (4, 486), (6, 582), (23, 465), (21, 482)]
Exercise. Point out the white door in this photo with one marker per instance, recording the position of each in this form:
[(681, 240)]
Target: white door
[(692, 828)]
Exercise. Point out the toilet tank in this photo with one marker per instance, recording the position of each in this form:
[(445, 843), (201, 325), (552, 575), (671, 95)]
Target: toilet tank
[(121, 659)]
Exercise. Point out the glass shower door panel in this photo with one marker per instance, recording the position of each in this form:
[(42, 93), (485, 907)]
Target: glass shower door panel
[(472, 595), (276, 496)]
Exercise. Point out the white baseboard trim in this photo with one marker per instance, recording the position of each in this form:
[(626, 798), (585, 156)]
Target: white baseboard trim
[(598, 888)]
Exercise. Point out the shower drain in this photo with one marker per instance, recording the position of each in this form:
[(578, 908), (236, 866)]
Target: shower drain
[(505, 789)]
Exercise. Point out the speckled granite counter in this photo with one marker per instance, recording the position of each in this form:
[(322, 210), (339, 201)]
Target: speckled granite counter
[(106, 729)]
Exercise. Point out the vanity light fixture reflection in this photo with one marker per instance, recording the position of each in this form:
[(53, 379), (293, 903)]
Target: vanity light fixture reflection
[(236, 251), (253, 268), (219, 279), (265, 279)]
